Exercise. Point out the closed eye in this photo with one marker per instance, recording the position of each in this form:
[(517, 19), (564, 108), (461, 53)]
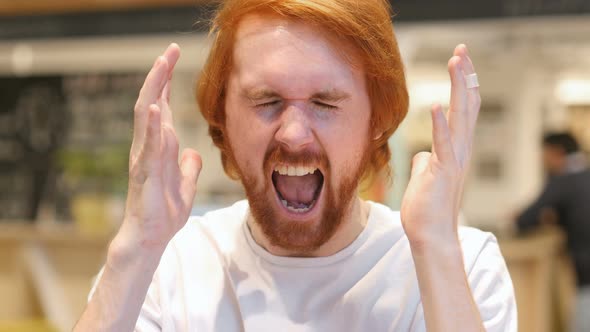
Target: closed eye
[(268, 104), (324, 105)]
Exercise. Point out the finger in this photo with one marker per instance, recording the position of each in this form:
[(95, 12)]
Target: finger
[(190, 167), (473, 95), (458, 112), (152, 143), (167, 118), (462, 52), (441, 136), (172, 55), (172, 176), (458, 105), (170, 155), (148, 95), (170, 148)]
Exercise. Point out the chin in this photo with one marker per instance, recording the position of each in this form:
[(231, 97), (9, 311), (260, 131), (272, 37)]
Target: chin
[(296, 204), (300, 233)]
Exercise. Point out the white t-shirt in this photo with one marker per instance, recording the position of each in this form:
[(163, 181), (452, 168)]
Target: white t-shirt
[(214, 277)]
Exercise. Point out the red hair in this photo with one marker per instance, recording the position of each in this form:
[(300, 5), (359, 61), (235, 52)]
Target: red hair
[(364, 25)]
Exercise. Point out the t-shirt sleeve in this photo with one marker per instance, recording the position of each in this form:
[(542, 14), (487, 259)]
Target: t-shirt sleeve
[(490, 283), (492, 289), (149, 319)]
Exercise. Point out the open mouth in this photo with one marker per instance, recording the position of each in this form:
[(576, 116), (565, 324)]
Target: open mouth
[(298, 187)]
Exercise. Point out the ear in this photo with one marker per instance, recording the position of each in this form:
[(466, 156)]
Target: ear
[(378, 136)]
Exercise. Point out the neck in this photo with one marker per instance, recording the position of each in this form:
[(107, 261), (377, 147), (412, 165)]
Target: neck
[(353, 224)]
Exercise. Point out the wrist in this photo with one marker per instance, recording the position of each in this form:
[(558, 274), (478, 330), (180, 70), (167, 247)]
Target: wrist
[(436, 246), (127, 250)]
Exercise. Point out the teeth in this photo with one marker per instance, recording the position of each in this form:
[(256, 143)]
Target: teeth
[(295, 170), (300, 171), (297, 210), (284, 170)]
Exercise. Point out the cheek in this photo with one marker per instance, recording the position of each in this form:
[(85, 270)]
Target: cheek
[(346, 146), (247, 138)]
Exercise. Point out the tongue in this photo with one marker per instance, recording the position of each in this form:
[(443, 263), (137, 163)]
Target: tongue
[(298, 189)]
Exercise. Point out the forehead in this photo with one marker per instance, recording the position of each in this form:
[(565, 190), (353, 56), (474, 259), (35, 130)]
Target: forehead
[(291, 54)]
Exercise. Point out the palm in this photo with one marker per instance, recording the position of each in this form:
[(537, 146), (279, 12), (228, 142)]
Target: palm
[(431, 203)]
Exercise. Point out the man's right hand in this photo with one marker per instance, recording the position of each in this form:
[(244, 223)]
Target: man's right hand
[(161, 190), (159, 202)]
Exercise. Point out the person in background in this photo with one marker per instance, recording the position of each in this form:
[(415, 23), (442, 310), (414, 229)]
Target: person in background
[(567, 196)]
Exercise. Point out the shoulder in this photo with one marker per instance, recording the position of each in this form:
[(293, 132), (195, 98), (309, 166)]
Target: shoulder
[(484, 264), (480, 249), (384, 218), (482, 255), (489, 279), (204, 239), (218, 228), (473, 242)]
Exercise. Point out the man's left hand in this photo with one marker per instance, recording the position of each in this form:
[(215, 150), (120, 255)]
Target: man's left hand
[(432, 200)]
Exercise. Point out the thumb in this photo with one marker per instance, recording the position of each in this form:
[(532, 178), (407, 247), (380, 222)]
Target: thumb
[(190, 167), (420, 162)]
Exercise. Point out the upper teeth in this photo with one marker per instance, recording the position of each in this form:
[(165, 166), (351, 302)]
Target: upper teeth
[(294, 170)]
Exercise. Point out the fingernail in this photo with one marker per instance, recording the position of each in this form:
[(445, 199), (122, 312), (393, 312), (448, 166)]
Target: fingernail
[(466, 49)]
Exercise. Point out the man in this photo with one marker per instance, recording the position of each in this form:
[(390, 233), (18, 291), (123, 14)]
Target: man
[(567, 195), (301, 97)]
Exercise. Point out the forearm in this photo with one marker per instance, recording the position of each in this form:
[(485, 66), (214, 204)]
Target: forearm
[(160, 197), (445, 293), (121, 290)]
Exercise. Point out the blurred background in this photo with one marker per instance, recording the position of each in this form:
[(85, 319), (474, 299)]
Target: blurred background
[(70, 72)]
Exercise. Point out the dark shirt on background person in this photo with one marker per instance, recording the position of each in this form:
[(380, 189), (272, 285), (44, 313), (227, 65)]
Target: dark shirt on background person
[(567, 193)]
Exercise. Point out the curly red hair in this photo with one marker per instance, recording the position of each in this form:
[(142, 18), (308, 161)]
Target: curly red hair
[(364, 25)]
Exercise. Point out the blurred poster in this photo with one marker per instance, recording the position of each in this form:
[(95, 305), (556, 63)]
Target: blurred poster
[(63, 136)]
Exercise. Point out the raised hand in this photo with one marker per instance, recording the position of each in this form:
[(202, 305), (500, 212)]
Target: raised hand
[(432, 200), (159, 201), (161, 191)]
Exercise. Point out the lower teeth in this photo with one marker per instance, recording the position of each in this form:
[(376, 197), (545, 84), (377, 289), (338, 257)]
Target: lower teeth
[(297, 210)]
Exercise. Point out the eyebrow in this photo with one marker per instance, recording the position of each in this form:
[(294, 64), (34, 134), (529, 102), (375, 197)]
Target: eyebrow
[(259, 94), (332, 95)]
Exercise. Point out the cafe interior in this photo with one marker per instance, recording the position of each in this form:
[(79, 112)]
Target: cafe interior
[(70, 72)]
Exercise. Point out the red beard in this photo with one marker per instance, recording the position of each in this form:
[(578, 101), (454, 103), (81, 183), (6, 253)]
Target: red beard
[(300, 238)]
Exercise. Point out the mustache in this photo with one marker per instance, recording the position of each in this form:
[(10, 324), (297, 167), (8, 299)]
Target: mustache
[(278, 154)]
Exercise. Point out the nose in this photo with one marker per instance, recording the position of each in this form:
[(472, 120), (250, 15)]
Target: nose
[(294, 132)]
